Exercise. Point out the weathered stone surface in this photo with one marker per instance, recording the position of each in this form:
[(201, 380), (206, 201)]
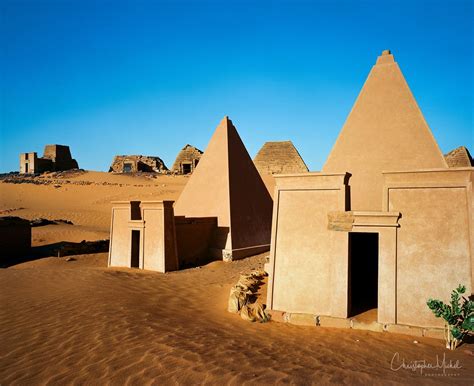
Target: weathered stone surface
[(55, 158), (340, 221), (303, 319), (328, 321), (459, 158), (368, 326), (406, 330), (435, 333), (137, 163), (187, 160), (279, 158), (278, 316)]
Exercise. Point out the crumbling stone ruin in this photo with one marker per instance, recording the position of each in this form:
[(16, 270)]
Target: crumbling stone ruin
[(137, 163), (279, 158), (242, 298), (187, 160), (459, 158), (55, 158)]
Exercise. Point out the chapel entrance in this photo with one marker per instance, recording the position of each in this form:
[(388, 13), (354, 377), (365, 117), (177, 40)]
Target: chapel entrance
[(186, 168), (135, 252), (363, 272), (127, 167)]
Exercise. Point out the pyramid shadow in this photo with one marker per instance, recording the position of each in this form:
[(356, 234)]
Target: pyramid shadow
[(59, 249)]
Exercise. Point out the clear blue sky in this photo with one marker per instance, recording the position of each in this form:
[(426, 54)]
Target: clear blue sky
[(147, 77)]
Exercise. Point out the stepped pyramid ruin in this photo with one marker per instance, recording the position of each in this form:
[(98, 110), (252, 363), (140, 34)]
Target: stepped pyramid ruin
[(186, 160), (279, 158), (459, 158), (384, 131), (227, 185)]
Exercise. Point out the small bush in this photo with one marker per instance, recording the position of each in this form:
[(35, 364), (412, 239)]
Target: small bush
[(458, 315)]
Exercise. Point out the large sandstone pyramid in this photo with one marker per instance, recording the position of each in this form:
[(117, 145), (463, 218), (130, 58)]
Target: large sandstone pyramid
[(385, 131), (279, 158), (227, 185)]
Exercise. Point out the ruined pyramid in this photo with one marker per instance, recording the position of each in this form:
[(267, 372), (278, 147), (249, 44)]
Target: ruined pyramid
[(385, 131), (279, 158), (227, 185), (459, 158)]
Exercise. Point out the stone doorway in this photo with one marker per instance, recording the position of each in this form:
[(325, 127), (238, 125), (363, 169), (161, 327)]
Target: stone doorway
[(363, 272), (186, 168), (127, 167), (135, 253)]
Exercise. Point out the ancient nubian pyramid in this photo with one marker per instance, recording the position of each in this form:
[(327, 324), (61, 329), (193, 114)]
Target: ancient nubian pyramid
[(227, 185), (385, 131), (187, 160), (279, 158), (459, 158)]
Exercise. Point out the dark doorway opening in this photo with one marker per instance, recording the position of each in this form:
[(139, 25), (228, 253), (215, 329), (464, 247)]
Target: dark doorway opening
[(26, 168), (363, 272), (127, 168), (135, 260), (186, 168)]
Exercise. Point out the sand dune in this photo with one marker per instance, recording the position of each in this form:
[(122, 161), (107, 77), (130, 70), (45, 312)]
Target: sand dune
[(78, 322)]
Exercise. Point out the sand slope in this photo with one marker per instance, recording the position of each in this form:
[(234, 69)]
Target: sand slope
[(79, 322)]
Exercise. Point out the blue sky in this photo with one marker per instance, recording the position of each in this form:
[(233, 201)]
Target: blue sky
[(147, 77)]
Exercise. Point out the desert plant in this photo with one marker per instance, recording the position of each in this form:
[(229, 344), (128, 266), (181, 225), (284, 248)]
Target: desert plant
[(458, 315)]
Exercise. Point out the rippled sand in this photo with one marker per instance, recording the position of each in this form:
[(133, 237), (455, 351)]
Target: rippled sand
[(79, 322)]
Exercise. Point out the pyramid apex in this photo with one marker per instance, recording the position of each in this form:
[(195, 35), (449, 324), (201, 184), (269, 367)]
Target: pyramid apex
[(225, 121), (385, 58)]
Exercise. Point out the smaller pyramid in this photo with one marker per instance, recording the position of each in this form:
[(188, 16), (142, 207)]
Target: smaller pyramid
[(187, 160), (279, 158), (227, 185), (459, 158)]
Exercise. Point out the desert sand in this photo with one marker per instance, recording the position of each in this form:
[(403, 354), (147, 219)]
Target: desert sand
[(79, 322)]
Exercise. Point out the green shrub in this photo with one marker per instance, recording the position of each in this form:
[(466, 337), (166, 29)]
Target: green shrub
[(459, 316)]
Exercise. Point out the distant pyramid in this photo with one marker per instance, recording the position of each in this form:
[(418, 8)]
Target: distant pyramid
[(385, 131), (227, 185), (459, 158), (279, 158)]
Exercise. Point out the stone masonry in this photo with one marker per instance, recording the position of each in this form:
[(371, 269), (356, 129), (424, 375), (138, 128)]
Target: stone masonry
[(279, 158), (137, 163)]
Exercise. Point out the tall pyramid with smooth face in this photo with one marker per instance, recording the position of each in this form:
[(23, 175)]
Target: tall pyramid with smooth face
[(227, 185), (385, 131)]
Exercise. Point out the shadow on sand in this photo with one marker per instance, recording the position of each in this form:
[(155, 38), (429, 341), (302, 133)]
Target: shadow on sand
[(60, 249)]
